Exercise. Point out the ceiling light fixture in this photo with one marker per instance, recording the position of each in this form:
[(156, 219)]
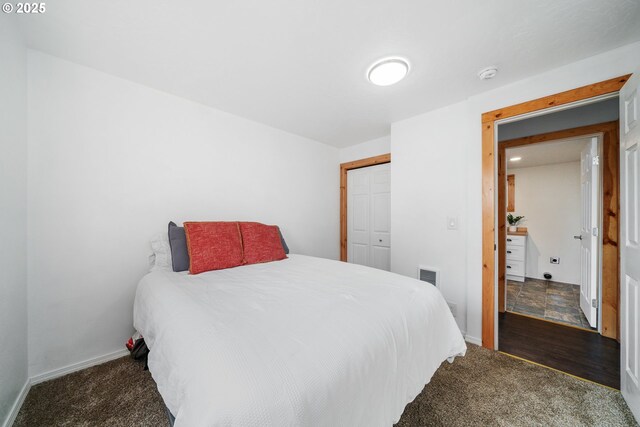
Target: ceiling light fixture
[(488, 73), (515, 159), (388, 71)]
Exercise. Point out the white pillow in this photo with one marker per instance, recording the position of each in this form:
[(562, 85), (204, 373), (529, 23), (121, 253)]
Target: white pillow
[(161, 257)]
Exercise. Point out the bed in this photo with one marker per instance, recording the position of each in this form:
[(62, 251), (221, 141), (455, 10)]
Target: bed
[(300, 342)]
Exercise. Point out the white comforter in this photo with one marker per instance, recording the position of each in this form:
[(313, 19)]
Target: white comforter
[(299, 342)]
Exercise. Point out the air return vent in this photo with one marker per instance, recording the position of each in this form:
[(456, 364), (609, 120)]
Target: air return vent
[(430, 275)]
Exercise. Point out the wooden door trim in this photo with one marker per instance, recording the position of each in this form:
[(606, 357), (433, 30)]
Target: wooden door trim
[(511, 193), (560, 134), (562, 98), (610, 209), (489, 184), (344, 168)]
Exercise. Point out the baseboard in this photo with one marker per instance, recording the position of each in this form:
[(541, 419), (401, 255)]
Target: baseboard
[(13, 413), (55, 373), (473, 340)]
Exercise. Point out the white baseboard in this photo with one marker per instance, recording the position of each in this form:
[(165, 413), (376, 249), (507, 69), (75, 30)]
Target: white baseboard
[(55, 373), (473, 340), (13, 413)]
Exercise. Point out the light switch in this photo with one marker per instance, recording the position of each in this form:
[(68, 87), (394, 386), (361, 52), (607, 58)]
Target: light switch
[(452, 223)]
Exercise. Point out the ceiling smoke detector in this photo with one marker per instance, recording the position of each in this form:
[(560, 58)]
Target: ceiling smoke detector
[(487, 73)]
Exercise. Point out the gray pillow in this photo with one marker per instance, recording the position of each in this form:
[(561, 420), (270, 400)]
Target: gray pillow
[(284, 244), (178, 244)]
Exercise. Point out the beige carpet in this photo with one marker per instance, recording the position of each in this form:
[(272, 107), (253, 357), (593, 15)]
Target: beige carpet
[(482, 388)]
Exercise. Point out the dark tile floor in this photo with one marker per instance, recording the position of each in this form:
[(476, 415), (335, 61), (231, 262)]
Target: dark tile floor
[(559, 302)]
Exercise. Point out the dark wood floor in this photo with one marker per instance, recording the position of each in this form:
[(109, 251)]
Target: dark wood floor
[(578, 352)]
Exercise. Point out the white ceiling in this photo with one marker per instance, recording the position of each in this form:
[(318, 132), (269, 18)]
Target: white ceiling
[(548, 153), (299, 65)]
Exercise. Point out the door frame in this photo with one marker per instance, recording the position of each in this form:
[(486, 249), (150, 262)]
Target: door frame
[(344, 168), (489, 163), (610, 250)]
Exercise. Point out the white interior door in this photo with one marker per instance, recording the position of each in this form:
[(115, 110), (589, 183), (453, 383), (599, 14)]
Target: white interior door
[(368, 216), (590, 222), (358, 216), (630, 239), (381, 217)]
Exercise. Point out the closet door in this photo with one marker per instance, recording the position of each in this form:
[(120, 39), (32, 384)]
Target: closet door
[(368, 216), (381, 217), (358, 216)]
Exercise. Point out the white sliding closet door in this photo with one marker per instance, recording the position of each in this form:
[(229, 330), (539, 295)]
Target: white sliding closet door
[(368, 216)]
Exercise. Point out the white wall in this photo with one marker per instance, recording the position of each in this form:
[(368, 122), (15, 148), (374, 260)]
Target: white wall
[(424, 192), (436, 134), (13, 196), (111, 162), (549, 198), (374, 147)]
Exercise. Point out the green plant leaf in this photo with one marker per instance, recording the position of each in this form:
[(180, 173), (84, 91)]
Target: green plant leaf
[(514, 220)]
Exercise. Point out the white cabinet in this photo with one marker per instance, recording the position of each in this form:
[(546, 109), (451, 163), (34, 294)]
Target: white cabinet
[(516, 257)]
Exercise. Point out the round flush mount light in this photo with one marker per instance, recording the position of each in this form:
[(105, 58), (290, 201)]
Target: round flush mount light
[(487, 73), (388, 71), (515, 159)]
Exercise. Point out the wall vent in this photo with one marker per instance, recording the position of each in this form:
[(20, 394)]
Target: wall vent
[(430, 275)]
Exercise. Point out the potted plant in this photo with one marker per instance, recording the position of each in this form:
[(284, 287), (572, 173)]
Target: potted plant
[(513, 221)]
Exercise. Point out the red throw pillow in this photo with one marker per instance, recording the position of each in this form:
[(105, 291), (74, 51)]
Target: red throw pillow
[(261, 243), (213, 245)]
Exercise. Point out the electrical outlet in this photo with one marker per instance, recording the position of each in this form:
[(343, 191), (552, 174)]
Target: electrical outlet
[(453, 307), (554, 260)]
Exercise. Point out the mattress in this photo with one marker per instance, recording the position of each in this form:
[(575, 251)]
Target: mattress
[(300, 342)]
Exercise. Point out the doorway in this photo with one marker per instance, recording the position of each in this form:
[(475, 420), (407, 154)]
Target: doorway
[(365, 211), (571, 348), (548, 272), (559, 247), (554, 188), (551, 311), (490, 225)]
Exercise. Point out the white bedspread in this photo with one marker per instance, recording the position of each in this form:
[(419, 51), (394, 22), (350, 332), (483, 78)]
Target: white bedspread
[(300, 342)]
